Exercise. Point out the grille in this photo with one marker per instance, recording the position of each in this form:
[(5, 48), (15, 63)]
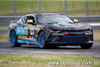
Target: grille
[(70, 39)]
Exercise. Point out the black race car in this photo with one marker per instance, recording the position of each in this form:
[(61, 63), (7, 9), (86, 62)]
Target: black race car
[(49, 30)]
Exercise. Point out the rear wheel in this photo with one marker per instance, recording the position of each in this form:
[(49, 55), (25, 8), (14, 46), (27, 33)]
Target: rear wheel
[(86, 46), (42, 40), (13, 39)]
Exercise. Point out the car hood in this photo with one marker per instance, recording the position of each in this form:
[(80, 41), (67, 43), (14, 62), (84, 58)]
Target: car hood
[(67, 26)]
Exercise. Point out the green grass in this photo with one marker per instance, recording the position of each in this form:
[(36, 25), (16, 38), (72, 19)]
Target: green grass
[(4, 37), (42, 60), (96, 35), (3, 27), (74, 7)]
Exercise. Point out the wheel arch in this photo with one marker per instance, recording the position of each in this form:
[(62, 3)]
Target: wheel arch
[(39, 33), (12, 30)]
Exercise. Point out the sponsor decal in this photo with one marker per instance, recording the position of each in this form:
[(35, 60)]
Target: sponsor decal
[(39, 26), (22, 36), (26, 31)]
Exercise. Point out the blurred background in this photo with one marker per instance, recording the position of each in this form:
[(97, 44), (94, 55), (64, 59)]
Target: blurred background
[(73, 7)]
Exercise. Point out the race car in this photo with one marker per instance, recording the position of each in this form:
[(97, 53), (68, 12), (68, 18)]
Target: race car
[(49, 30)]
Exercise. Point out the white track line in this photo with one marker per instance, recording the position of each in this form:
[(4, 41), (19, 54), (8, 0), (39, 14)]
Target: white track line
[(94, 24)]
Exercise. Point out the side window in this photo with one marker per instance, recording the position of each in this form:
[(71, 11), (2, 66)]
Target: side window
[(24, 19), (30, 18)]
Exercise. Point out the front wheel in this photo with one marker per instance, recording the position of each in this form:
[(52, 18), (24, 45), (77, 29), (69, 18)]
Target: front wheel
[(13, 39), (42, 40), (86, 46)]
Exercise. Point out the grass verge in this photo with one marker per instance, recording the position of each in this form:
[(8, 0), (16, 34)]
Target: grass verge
[(96, 35), (3, 27), (43, 60), (4, 37)]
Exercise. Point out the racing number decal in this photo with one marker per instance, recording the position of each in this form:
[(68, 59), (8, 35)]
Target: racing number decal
[(26, 31)]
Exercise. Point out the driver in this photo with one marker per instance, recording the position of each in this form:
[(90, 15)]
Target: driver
[(30, 20)]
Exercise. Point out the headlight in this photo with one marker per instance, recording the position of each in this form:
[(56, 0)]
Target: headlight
[(89, 30)]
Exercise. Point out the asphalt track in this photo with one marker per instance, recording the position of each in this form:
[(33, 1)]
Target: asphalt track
[(62, 50)]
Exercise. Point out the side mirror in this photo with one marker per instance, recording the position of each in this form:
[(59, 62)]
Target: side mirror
[(29, 21), (75, 21)]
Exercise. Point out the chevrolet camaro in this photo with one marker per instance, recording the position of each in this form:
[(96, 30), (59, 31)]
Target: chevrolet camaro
[(49, 30)]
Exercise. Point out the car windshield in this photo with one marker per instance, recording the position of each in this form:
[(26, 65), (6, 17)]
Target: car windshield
[(54, 19)]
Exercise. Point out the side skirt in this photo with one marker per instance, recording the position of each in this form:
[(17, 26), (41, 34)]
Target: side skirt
[(27, 41)]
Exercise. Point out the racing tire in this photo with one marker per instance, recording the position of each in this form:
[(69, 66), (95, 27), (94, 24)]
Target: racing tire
[(86, 46), (42, 40), (13, 39)]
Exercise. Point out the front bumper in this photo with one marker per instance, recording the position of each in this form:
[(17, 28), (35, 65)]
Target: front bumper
[(71, 38)]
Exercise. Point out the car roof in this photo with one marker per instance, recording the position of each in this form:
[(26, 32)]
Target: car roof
[(48, 14), (45, 14)]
